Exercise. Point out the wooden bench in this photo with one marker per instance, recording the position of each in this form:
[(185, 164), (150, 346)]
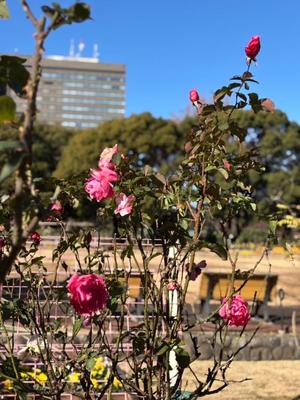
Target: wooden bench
[(215, 286)]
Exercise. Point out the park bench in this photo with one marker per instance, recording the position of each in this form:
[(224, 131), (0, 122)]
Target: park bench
[(260, 288)]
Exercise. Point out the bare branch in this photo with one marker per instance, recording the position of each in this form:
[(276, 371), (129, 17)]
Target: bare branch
[(29, 12)]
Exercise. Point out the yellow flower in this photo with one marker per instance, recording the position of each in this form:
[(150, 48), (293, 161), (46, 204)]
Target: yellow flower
[(99, 364), (8, 384), (42, 378), (94, 373), (117, 384), (95, 383), (74, 377)]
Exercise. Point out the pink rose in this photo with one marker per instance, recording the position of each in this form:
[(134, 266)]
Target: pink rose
[(194, 95), (253, 47), (106, 157), (196, 270), (99, 185), (124, 204), (88, 293), (172, 286), (237, 313), (36, 237), (227, 165), (57, 208)]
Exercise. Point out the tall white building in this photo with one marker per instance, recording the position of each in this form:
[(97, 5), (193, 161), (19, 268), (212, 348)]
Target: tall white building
[(79, 92)]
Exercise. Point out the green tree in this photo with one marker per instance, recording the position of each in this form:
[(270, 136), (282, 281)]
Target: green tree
[(158, 142), (48, 144), (278, 140)]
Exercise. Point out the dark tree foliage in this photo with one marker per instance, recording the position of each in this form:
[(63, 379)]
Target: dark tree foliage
[(278, 140), (158, 142)]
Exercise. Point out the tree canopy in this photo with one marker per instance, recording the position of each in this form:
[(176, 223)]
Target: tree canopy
[(157, 142)]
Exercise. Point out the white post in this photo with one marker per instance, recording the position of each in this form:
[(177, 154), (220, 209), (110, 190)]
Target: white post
[(173, 309)]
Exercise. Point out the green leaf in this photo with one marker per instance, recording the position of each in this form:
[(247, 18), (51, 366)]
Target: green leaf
[(7, 109), (4, 13), (14, 73), (242, 96), (221, 93), (236, 78), (223, 172), (8, 145), (90, 363), (11, 166), (223, 126), (208, 109), (234, 85), (182, 357), (80, 12), (77, 326), (273, 226), (255, 102), (162, 349), (217, 249)]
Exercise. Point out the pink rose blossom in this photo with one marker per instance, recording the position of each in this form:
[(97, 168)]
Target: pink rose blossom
[(124, 204), (194, 95), (172, 286), (236, 312), (227, 165), (57, 209), (36, 237), (253, 47), (99, 185), (106, 157), (88, 293)]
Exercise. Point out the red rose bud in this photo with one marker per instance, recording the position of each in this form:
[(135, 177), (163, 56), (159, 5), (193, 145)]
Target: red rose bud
[(194, 95), (253, 48), (36, 237)]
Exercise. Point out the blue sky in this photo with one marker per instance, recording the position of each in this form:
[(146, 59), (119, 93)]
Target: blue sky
[(171, 46)]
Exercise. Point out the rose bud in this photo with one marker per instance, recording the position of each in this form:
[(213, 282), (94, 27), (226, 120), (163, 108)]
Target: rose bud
[(172, 286), (36, 237), (252, 48), (194, 95)]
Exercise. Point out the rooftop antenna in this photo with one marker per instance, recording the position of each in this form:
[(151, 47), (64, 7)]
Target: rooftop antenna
[(81, 47), (96, 53), (72, 48)]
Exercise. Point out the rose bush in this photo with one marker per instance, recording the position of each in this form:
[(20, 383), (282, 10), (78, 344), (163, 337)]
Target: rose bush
[(165, 224)]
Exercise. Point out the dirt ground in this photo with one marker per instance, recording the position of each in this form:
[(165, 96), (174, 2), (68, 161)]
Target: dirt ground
[(280, 263), (267, 380)]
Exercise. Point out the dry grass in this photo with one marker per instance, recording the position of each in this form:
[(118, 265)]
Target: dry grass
[(267, 380)]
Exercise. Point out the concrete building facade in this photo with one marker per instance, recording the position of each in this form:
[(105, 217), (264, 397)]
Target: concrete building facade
[(79, 92)]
